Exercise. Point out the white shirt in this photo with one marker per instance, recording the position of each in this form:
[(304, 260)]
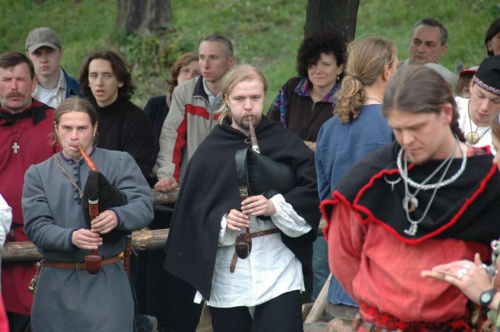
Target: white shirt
[(211, 98), (468, 125), (5, 220), (52, 97), (271, 268)]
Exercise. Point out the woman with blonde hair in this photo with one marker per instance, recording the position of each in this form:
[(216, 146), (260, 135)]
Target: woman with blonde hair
[(358, 126)]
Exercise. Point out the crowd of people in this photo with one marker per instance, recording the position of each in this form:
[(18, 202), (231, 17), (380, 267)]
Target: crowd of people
[(397, 157)]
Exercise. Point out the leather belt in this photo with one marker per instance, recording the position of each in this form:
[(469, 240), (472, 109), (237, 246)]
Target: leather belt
[(252, 235), (78, 266)]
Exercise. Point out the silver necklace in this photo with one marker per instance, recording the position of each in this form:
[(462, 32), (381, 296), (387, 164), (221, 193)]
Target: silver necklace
[(392, 183), (410, 202), (423, 185), (371, 98)]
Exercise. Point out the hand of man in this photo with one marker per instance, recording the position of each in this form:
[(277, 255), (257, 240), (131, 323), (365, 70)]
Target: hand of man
[(236, 219), (86, 239), (258, 206), (104, 223), (166, 185), (311, 145)]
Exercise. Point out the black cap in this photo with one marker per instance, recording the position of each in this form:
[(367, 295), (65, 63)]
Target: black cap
[(488, 74)]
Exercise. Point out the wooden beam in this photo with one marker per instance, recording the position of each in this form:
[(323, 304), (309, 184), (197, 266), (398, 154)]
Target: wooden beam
[(165, 198), (144, 239)]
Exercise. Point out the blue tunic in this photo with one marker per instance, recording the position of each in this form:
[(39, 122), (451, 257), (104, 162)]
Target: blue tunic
[(338, 147), (74, 300)]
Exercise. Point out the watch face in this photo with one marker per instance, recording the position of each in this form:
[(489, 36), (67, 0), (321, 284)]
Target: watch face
[(486, 297)]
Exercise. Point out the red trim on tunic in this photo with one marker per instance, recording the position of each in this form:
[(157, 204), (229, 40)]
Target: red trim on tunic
[(371, 217)]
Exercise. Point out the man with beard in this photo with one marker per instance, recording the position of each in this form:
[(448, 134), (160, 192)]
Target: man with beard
[(25, 126), (262, 291), (477, 113)]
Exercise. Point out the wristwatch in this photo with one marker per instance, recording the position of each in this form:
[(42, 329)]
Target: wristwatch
[(486, 297)]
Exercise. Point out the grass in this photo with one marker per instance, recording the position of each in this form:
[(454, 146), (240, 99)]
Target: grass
[(265, 33)]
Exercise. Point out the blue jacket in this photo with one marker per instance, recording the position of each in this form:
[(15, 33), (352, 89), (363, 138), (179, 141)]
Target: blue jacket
[(73, 88)]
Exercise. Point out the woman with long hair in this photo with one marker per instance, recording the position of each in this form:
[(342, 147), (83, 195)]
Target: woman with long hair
[(358, 126)]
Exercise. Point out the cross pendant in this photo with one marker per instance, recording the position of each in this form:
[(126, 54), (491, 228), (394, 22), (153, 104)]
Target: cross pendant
[(15, 147)]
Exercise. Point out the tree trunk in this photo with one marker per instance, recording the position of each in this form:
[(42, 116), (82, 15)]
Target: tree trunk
[(143, 16), (339, 16), (144, 239)]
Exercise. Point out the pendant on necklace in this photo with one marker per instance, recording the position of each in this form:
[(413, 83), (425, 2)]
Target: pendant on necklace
[(410, 203), (412, 231), (472, 138), (15, 147)]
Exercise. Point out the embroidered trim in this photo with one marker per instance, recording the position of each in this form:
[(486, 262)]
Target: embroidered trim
[(485, 86)]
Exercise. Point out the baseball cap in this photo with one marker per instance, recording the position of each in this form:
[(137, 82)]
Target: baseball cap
[(469, 70), (42, 37)]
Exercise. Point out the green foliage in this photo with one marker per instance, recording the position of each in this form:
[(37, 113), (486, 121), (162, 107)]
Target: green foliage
[(466, 21), (83, 26), (265, 33)]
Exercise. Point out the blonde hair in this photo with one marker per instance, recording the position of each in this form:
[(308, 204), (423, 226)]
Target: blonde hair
[(233, 77), (367, 58)]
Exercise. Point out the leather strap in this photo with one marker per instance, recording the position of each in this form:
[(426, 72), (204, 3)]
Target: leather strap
[(78, 266), (232, 267)]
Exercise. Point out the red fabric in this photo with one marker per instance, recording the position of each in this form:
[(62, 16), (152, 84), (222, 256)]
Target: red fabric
[(393, 323), (201, 111), (377, 268), (180, 142), (4, 321), (34, 148)]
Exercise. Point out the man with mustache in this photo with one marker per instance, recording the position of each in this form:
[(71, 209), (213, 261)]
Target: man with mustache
[(25, 125), (257, 290)]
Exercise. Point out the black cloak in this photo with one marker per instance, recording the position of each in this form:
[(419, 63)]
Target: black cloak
[(467, 209), (210, 190)]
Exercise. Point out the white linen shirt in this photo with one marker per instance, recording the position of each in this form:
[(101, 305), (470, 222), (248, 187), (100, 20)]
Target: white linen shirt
[(271, 268)]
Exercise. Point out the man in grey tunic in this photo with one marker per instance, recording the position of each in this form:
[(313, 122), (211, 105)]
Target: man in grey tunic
[(68, 298)]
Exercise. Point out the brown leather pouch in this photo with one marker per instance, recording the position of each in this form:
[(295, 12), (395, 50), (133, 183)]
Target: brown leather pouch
[(243, 245)]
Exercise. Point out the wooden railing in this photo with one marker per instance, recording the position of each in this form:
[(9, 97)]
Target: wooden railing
[(144, 239)]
